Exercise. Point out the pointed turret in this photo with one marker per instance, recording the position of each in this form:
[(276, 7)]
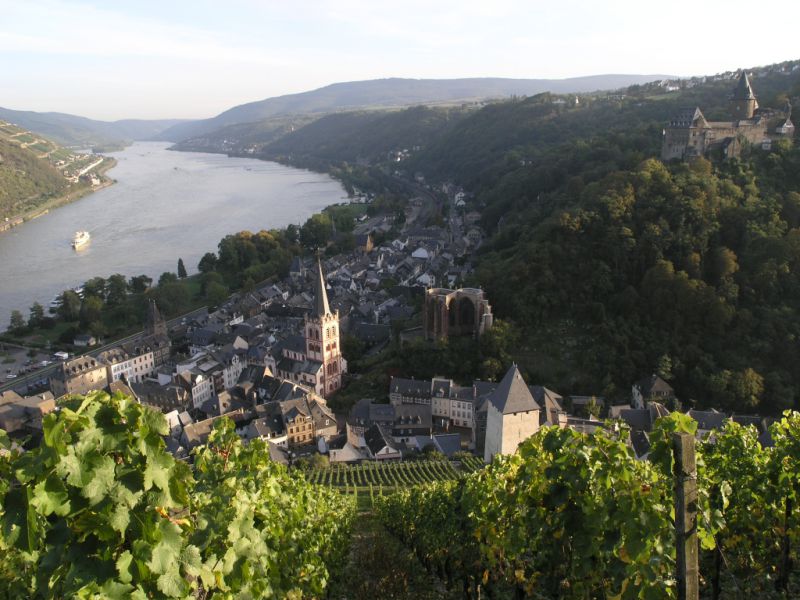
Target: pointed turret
[(744, 91), (743, 99), (321, 307), (512, 394)]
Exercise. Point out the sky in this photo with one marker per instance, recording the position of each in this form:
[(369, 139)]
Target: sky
[(193, 59)]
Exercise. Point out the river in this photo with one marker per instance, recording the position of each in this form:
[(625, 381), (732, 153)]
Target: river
[(165, 205)]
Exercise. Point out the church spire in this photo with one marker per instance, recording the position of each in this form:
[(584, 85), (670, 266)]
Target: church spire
[(321, 307)]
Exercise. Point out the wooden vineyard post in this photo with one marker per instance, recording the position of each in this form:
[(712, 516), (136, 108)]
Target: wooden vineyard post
[(685, 471)]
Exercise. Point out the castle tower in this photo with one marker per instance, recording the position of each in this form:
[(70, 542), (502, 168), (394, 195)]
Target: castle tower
[(322, 336), (743, 101)]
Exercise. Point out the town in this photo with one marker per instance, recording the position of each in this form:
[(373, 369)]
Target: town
[(270, 358)]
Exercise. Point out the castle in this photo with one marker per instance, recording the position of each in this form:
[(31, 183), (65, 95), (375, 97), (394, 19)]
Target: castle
[(689, 134)]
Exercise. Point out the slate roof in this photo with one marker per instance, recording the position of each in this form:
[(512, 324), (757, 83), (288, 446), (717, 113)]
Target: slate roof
[(448, 444), (417, 388), (654, 385), (320, 307), (512, 394), (637, 419), (743, 90), (377, 439), (708, 419)]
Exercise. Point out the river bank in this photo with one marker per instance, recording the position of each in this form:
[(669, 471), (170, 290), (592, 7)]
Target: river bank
[(68, 198), (163, 206)]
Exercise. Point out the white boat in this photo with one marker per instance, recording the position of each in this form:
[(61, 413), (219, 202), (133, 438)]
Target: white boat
[(81, 238)]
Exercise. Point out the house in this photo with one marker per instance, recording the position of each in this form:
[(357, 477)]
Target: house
[(78, 376), (24, 413), (84, 340), (512, 416), (651, 388), (411, 420), (380, 445)]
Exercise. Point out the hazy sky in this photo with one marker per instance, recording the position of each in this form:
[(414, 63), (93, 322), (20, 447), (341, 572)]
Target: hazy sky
[(148, 59)]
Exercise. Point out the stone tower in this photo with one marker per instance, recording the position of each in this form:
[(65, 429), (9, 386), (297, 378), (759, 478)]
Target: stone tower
[(322, 336), (155, 325), (743, 101)]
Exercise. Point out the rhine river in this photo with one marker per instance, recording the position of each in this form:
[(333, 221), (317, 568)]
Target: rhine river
[(164, 205)]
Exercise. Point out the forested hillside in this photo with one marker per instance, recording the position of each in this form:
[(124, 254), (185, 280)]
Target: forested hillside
[(612, 264), (367, 135)]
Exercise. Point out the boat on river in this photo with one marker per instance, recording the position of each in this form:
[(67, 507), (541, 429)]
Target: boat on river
[(81, 238)]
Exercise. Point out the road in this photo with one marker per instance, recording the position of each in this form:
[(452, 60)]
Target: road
[(38, 378)]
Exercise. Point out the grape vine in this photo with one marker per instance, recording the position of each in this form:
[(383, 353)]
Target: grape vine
[(574, 515), (101, 509)]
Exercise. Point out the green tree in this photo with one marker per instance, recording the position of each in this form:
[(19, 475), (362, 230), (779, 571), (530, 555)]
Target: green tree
[(36, 315), (116, 290), (316, 231), (17, 322), (70, 307), (216, 293), (181, 269), (208, 263), (96, 287), (140, 283), (167, 278), (91, 310)]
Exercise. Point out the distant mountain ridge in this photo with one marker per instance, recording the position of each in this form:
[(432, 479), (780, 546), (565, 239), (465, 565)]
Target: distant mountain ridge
[(72, 130), (397, 92)]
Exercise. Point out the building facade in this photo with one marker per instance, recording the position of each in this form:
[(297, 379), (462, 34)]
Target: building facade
[(512, 416)]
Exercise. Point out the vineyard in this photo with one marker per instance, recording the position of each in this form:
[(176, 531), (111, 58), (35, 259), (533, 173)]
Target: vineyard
[(367, 481), (101, 510), (575, 515)]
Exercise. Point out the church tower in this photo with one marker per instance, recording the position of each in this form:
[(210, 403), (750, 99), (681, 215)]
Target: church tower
[(322, 336), (743, 101), (155, 325)]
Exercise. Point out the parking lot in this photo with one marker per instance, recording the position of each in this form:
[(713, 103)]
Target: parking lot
[(15, 361)]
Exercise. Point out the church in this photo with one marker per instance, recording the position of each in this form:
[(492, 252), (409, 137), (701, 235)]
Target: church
[(314, 359), (689, 134)]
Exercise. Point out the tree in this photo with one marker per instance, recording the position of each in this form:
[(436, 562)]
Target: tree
[(166, 278), (36, 315), (91, 310), (17, 322), (96, 287), (316, 231), (181, 269), (216, 293), (70, 308), (140, 283), (208, 263), (116, 290)]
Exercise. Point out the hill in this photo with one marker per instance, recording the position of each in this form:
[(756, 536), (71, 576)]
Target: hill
[(72, 130), (394, 92), (363, 135), (35, 172), (611, 264)]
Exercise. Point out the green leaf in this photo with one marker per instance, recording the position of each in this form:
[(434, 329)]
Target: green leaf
[(120, 518), (159, 467), (101, 479), (116, 591), (124, 566), (167, 551), (50, 496), (172, 584)]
